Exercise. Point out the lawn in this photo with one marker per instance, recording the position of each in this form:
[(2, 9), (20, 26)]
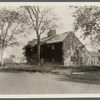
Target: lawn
[(41, 83), (87, 74)]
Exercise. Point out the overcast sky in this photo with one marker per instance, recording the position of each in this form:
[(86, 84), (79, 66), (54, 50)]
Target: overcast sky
[(65, 13)]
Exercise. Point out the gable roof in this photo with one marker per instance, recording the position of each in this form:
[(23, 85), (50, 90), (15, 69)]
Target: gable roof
[(52, 39)]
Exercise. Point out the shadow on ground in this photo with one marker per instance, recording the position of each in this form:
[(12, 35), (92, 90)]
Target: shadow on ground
[(92, 77)]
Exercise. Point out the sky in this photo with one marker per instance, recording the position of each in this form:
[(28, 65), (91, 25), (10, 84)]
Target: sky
[(65, 13)]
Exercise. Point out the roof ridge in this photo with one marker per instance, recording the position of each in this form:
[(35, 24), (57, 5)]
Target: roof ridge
[(57, 34), (54, 38)]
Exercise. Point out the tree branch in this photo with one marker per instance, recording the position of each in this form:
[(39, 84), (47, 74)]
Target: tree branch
[(9, 25), (31, 17)]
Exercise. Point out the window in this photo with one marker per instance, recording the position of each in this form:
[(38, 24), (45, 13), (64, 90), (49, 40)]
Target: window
[(41, 50), (53, 47)]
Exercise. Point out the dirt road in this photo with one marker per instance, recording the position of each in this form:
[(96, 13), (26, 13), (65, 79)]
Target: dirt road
[(38, 83)]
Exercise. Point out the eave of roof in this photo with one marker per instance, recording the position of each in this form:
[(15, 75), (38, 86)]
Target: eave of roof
[(48, 40)]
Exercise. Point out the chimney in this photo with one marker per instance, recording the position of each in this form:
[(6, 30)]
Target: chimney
[(51, 33)]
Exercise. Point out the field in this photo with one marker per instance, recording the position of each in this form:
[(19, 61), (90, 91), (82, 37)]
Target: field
[(29, 79), (83, 74), (42, 83)]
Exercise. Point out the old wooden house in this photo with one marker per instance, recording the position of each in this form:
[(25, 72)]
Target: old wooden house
[(59, 49)]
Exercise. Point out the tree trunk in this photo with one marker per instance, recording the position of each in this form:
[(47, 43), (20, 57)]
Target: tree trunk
[(38, 49), (2, 51)]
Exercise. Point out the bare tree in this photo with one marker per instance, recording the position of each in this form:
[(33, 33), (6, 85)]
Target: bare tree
[(41, 19), (10, 27)]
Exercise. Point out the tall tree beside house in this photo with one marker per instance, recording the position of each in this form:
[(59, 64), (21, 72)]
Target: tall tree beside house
[(10, 27), (87, 18), (40, 19)]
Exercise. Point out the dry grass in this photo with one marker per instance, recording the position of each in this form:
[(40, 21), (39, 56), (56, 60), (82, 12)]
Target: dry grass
[(86, 74), (78, 73), (24, 67)]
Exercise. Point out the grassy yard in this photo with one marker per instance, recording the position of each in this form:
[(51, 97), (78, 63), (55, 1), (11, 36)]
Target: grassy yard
[(78, 74)]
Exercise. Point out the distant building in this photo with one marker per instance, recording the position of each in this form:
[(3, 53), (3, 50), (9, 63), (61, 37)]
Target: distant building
[(59, 49), (8, 61), (12, 60), (19, 60)]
